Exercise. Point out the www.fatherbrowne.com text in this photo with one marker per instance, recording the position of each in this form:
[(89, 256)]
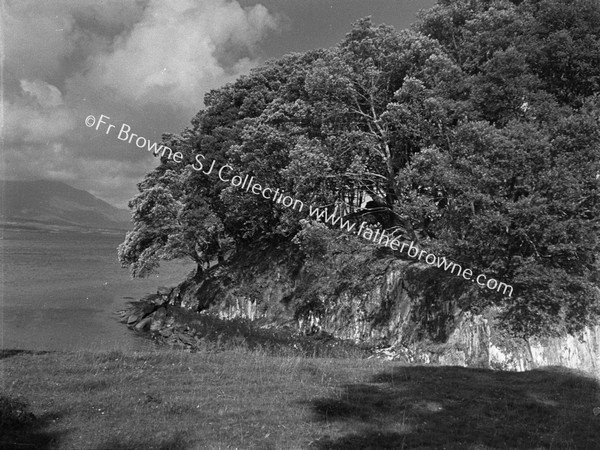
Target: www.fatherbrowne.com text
[(380, 237), (248, 184)]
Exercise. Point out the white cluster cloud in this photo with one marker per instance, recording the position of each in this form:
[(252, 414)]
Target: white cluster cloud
[(38, 115), (173, 52), (144, 62), (46, 95)]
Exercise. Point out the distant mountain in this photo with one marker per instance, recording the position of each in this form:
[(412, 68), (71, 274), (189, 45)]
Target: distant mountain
[(57, 203)]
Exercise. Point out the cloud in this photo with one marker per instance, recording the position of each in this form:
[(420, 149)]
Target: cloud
[(42, 37), (147, 63), (35, 44), (38, 115), (46, 95), (181, 49)]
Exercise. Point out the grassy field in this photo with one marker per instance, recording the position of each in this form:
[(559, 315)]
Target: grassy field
[(248, 400)]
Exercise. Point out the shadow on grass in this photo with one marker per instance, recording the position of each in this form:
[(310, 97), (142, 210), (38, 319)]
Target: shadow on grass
[(9, 353), (20, 429), (460, 408)]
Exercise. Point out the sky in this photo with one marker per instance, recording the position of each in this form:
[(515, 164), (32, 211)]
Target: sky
[(144, 63)]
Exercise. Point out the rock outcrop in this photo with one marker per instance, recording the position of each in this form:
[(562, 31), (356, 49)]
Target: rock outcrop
[(408, 310)]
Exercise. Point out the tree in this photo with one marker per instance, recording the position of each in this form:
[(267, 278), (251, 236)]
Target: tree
[(459, 129), (519, 205), (168, 224)]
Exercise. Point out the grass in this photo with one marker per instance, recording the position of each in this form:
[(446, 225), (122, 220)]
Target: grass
[(250, 400)]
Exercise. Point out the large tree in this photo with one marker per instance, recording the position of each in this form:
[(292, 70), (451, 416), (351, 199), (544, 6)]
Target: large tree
[(460, 128), (519, 185)]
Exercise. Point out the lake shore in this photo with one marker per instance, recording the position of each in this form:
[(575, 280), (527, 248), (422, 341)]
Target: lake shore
[(174, 327), (61, 290)]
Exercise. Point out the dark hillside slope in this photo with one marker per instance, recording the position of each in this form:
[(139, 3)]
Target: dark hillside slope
[(58, 203)]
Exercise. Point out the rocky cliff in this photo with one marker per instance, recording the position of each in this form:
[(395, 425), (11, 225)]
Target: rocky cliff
[(353, 291)]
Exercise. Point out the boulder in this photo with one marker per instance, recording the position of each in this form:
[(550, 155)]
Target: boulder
[(144, 324), (187, 340), (162, 296), (169, 321), (163, 290), (147, 308), (158, 319), (133, 318), (166, 332)]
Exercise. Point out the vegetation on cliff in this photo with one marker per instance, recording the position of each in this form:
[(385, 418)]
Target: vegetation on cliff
[(477, 130)]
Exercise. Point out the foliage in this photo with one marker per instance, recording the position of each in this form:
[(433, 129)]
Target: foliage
[(478, 129)]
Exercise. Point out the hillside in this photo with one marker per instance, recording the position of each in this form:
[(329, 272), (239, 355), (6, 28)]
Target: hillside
[(57, 203), (53, 202)]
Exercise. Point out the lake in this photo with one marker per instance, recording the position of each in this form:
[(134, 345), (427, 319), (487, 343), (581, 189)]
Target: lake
[(61, 291)]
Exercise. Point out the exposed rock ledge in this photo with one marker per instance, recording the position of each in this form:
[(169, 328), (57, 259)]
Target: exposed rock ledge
[(406, 309)]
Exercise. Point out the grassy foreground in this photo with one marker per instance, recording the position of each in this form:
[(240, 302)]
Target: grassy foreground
[(247, 400)]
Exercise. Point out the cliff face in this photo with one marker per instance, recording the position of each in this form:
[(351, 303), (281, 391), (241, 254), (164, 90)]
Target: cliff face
[(368, 295)]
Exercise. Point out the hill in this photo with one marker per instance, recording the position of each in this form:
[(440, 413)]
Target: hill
[(56, 203)]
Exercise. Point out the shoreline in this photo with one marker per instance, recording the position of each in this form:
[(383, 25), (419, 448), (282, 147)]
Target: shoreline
[(177, 328)]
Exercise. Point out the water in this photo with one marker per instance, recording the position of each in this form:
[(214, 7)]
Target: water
[(61, 291)]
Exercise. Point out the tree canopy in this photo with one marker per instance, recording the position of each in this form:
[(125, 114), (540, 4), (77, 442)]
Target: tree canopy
[(479, 129)]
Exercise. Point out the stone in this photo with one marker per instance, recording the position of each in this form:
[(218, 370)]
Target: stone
[(163, 290), (186, 339), (133, 318), (144, 324), (147, 308), (166, 332), (158, 319), (159, 300)]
